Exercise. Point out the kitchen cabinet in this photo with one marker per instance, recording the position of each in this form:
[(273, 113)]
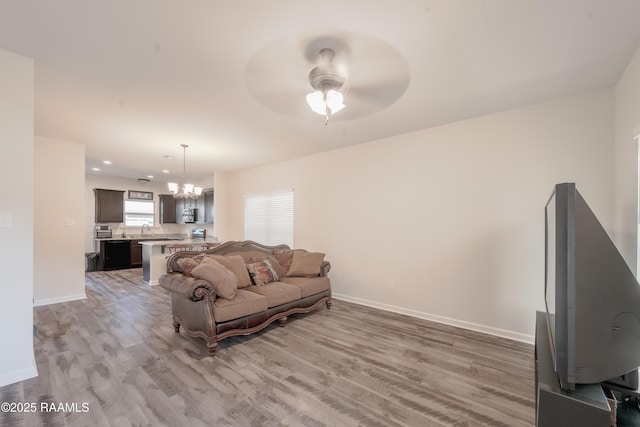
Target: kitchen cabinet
[(115, 254), (200, 207), (179, 209), (181, 205), (109, 205), (205, 207), (208, 206), (135, 254), (167, 209)]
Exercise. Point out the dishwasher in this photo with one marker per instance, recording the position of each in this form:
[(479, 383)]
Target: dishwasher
[(117, 254)]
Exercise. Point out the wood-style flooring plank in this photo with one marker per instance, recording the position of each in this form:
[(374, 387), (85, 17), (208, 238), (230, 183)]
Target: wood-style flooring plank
[(116, 352)]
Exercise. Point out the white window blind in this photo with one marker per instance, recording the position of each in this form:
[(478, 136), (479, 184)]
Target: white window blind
[(268, 218), (138, 213)]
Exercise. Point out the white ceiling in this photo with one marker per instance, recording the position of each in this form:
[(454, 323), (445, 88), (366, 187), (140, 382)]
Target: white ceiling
[(132, 80)]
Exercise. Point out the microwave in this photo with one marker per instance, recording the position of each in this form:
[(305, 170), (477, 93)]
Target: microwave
[(189, 215)]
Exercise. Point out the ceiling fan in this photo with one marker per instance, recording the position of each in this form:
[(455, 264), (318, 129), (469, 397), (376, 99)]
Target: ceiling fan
[(328, 81), (353, 74)]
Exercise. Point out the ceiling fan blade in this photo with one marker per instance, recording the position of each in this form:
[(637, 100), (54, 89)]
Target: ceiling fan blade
[(376, 74), (380, 94)]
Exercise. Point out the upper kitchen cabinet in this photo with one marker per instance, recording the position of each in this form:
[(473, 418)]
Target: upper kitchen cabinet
[(167, 209), (208, 205), (109, 205), (205, 207)]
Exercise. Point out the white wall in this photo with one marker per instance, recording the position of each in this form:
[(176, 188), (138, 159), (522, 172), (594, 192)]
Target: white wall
[(124, 184), (16, 240), (447, 223), (58, 221), (221, 201), (627, 127)]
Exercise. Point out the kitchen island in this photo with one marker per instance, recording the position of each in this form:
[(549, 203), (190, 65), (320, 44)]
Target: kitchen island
[(126, 251), (155, 254)]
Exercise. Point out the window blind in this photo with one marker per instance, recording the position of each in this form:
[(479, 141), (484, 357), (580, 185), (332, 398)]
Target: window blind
[(268, 218)]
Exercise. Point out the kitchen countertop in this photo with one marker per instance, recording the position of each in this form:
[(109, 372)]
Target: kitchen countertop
[(146, 237), (171, 241)]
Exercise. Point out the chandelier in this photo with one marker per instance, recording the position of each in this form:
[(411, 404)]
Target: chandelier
[(327, 81), (184, 191)]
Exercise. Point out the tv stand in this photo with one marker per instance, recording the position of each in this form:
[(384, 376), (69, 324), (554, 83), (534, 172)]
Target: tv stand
[(587, 406)]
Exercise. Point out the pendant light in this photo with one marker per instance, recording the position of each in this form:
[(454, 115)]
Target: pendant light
[(186, 191)]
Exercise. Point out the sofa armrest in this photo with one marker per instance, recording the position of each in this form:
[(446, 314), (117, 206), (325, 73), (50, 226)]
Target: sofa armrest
[(187, 286), (324, 268)]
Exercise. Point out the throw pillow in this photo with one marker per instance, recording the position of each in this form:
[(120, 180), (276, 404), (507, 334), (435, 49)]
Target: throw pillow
[(223, 281), (281, 272), (284, 257), (305, 264), (187, 264), (236, 265), (247, 255), (262, 272)]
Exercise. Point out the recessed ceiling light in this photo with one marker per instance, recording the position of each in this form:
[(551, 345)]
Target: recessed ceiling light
[(165, 171), (107, 162), (95, 169), (150, 176)]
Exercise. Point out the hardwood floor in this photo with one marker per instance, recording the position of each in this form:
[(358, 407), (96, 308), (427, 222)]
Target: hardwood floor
[(115, 360)]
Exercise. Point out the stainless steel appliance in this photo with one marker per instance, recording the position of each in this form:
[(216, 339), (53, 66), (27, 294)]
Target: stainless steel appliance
[(103, 232), (189, 215), (198, 233)]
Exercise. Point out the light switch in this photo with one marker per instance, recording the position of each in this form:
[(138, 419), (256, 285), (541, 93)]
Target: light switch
[(70, 221), (6, 220)]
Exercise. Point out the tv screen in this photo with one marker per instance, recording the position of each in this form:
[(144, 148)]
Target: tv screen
[(591, 295)]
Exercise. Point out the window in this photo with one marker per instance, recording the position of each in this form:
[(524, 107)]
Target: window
[(268, 218), (138, 213)]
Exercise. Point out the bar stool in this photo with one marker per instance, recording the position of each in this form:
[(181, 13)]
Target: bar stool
[(175, 247), (207, 246)]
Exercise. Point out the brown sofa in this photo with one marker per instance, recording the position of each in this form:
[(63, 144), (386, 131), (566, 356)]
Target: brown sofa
[(196, 282)]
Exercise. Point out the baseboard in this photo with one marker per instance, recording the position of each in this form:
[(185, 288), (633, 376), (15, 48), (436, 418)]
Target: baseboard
[(19, 375), (515, 336), (56, 300)]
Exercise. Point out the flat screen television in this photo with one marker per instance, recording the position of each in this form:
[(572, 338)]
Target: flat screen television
[(592, 297)]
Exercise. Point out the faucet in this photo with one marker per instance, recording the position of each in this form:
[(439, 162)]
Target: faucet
[(142, 229)]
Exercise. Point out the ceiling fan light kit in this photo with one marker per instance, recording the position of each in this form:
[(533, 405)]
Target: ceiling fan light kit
[(327, 81), (189, 191), (320, 101)]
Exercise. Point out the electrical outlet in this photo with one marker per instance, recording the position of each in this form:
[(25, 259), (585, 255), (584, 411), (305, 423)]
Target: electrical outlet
[(391, 285), (70, 221), (6, 220)]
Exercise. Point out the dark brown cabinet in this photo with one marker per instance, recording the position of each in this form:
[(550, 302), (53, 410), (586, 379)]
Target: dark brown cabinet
[(179, 208), (200, 206), (208, 206), (205, 207), (181, 205), (167, 209), (117, 254), (109, 205), (136, 254)]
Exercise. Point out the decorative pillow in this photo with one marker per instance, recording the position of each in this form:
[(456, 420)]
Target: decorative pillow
[(187, 264), (223, 281), (236, 265), (305, 264), (284, 257), (247, 255), (281, 272), (262, 272)]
